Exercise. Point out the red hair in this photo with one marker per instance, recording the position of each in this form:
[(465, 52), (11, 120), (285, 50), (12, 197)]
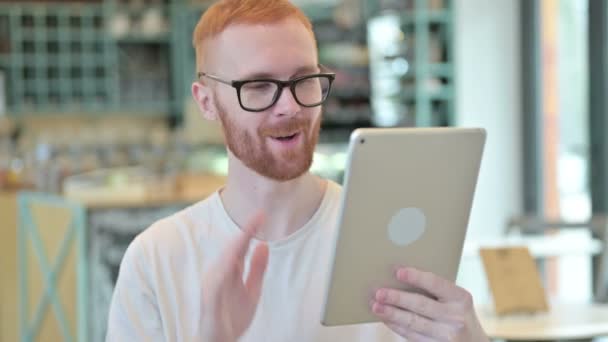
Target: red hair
[(229, 12)]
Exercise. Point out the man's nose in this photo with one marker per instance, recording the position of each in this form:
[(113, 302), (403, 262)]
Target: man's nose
[(286, 103)]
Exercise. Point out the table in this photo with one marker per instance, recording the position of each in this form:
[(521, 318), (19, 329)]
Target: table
[(563, 322)]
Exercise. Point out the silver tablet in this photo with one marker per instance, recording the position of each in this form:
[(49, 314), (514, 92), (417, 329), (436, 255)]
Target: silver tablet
[(406, 202)]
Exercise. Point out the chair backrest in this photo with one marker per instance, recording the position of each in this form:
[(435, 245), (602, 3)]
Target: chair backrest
[(52, 259), (598, 226)]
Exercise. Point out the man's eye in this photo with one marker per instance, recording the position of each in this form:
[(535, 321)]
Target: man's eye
[(259, 86)]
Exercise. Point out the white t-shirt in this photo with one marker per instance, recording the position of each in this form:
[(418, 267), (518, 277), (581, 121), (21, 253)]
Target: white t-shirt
[(158, 292)]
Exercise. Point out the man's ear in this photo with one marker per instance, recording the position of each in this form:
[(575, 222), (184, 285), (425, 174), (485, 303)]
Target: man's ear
[(204, 99)]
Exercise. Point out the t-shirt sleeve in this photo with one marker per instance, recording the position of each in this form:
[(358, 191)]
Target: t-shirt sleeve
[(134, 313)]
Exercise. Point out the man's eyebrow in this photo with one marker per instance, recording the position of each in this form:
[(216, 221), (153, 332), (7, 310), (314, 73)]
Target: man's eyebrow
[(301, 70), (256, 75), (309, 69)]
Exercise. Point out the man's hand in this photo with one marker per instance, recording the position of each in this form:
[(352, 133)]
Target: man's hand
[(449, 317), (229, 302)]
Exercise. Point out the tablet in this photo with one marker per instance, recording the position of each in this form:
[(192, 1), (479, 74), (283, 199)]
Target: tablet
[(406, 201)]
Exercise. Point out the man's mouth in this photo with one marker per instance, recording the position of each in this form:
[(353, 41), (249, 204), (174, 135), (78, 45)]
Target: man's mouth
[(286, 137)]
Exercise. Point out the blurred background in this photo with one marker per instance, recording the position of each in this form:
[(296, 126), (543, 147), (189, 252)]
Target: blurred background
[(97, 120)]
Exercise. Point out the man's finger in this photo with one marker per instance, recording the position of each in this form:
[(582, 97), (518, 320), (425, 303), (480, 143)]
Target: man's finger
[(409, 321), (413, 302), (433, 284), (238, 247), (411, 336), (257, 268)]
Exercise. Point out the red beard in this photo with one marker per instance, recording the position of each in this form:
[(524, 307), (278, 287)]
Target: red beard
[(254, 152)]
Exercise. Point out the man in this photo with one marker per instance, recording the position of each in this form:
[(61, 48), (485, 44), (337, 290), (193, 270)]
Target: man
[(250, 262)]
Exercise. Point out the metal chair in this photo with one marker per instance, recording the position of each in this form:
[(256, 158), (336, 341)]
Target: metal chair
[(598, 226)]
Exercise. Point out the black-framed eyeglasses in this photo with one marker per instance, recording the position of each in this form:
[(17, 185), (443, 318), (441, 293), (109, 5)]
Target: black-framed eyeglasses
[(257, 95)]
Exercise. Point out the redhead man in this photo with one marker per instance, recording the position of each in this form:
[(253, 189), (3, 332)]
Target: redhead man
[(250, 262)]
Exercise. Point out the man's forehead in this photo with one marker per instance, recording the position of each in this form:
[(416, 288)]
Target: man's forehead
[(289, 26), (289, 71), (271, 48)]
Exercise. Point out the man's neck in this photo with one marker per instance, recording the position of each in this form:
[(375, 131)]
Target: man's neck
[(287, 206)]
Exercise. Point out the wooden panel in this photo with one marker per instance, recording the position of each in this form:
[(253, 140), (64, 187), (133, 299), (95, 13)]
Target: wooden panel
[(52, 224), (34, 286), (8, 268), (49, 329), (67, 287)]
